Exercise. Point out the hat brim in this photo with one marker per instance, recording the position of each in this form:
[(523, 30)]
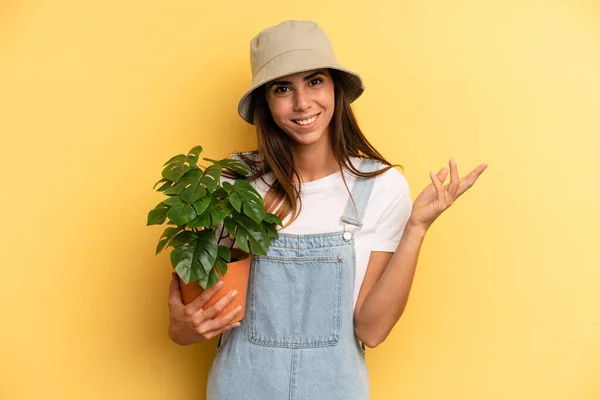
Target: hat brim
[(293, 62)]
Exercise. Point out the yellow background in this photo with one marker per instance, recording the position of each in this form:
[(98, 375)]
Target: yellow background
[(96, 96)]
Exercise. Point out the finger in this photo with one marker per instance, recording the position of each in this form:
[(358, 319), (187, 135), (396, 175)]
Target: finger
[(213, 333), (219, 305), (442, 173), (437, 184), (174, 291), (217, 323), (470, 179), (454, 180), (196, 305)]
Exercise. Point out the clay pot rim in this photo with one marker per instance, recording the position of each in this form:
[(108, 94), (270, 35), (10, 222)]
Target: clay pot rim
[(240, 252)]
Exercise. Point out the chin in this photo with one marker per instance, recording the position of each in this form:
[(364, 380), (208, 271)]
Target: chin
[(306, 138)]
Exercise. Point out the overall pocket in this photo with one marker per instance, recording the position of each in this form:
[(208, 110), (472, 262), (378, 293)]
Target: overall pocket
[(224, 338), (295, 301), (361, 346)]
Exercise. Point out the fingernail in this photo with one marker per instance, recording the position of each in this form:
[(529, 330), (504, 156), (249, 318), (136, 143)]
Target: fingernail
[(234, 293), (220, 283), (238, 308)]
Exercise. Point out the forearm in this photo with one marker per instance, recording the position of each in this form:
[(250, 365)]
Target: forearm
[(386, 301)]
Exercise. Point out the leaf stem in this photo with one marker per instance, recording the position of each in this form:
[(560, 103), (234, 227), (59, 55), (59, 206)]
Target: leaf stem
[(233, 242), (221, 237)]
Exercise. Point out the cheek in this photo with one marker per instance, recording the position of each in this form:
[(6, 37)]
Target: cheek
[(327, 99), (278, 109)]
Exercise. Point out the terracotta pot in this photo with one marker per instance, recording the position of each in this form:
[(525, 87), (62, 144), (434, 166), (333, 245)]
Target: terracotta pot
[(236, 278)]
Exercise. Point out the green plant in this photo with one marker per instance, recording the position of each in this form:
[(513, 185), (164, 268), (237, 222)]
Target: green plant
[(198, 205)]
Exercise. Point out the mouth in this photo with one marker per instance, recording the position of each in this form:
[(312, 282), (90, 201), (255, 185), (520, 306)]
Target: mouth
[(308, 122)]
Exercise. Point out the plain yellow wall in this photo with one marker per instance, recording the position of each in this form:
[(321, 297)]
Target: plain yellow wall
[(96, 96)]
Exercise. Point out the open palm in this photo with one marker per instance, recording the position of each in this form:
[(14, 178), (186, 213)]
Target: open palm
[(436, 197)]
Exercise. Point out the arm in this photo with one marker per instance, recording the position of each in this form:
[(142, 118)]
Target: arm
[(383, 297), (384, 292)]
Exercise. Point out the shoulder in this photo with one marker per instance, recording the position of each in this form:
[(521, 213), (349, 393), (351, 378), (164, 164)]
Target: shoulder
[(391, 187), (394, 178), (391, 179)]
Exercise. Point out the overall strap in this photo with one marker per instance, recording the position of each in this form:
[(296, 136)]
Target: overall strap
[(361, 191)]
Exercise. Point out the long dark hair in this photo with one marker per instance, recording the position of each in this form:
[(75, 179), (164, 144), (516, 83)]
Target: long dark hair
[(274, 151)]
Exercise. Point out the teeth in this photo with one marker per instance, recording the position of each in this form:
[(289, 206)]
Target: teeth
[(306, 121)]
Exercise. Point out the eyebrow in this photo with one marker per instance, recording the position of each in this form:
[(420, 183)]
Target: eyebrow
[(306, 78)]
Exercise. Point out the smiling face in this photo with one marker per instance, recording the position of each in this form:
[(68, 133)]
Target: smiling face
[(302, 105)]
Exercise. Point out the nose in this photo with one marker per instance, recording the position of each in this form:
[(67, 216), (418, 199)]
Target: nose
[(301, 100)]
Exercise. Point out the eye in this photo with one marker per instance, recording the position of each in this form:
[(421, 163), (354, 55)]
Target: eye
[(316, 81), (279, 89)]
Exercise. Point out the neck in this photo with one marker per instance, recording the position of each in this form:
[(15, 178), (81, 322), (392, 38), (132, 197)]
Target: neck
[(314, 161)]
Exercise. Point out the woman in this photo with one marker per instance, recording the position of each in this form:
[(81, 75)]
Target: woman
[(340, 273)]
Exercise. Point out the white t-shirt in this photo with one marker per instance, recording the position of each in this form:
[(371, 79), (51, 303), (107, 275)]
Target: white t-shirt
[(324, 202)]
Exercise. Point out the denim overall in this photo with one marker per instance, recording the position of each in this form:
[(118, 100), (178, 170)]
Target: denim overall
[(296, 340)]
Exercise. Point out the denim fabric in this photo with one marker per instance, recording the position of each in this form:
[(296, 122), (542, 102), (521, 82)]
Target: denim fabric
[(297, 338)]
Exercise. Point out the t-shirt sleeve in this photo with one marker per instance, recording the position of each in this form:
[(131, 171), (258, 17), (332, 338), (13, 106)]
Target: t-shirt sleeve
[(397, 206)]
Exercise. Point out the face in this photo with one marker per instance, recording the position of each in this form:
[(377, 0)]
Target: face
[(302, 105)]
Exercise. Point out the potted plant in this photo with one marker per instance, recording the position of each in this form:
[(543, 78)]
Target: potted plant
[(203, 213)]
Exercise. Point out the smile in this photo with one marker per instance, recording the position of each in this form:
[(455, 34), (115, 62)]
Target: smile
[(306, 122)]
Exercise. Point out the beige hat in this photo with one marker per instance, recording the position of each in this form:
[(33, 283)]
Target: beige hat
[(288, 48)]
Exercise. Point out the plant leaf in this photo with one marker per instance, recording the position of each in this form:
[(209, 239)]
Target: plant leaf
[(165, 238), (206, 250), (202, 204), (193, 190), (182, 213), (224, 253), (250, 236), (224, 256), (209, 279), (182, 257), (167, 183), (213, 278), (230, 226), (234, 165), (221, 266), (272, 218), (245, 199), (176, 189), (183, 238), (200, 220), (172, 201), (228, 187), (211, 177), (219, 212), (220, 193), (178, 165), (194, 256), (158, 215), (270, 230)]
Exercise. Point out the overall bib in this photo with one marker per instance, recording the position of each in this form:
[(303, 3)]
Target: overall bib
[(296, 340)]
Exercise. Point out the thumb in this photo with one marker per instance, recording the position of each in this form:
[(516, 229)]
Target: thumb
[(174, 290)]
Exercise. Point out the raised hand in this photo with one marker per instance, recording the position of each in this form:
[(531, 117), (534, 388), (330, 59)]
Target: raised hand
[(436, 197)]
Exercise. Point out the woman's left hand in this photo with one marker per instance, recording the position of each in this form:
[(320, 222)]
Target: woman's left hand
[(436, 197)]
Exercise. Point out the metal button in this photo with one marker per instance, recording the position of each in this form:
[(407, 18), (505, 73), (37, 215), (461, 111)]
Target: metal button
[(347, 236)]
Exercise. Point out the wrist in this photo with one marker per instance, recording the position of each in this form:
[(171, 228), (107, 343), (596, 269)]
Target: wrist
[(416, 228)]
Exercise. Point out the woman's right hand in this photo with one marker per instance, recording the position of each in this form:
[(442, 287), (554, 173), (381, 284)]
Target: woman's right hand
[(189, 323)]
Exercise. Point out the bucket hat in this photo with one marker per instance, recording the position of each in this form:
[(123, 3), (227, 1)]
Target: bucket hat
[(287, 48)]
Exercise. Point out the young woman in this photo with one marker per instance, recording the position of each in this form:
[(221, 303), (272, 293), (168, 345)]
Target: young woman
[(339, 276)]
